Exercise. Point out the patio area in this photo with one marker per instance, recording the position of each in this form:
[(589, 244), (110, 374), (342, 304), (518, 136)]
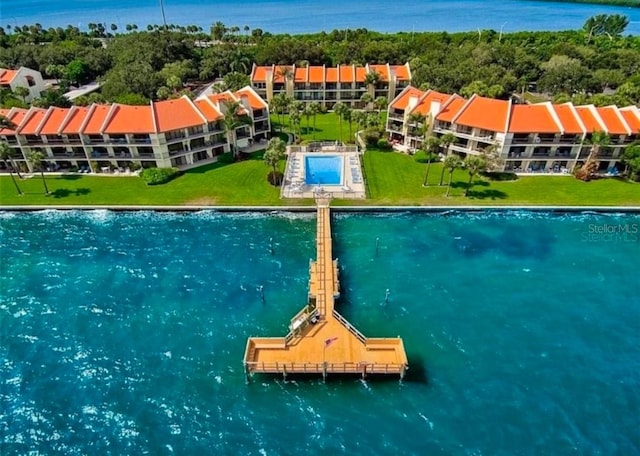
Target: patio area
[(300, 182)]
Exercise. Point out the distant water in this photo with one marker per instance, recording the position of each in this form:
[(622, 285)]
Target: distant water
[(124, 334), (301, 16)]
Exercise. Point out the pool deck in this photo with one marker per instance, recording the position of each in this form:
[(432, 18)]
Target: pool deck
[(352, 184), (320, 340)]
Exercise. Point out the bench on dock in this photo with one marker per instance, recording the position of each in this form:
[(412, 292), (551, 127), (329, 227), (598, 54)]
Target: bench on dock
[(382, 343)]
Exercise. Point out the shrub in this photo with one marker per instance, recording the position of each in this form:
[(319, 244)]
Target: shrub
[(371, 136), (384, 144), (157, 176)]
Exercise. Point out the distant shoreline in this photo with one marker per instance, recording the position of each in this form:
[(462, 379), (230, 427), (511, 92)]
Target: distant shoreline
[(631, 3)]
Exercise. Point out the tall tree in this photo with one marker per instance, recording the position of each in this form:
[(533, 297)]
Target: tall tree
[(631, 159), (339, 109), (315, 110), (235, 116), (445, 141), (272, 156), (451, 163), (598, 141), (6, 156), (381, 104), (474, 165), (35, 160), (430, 147)]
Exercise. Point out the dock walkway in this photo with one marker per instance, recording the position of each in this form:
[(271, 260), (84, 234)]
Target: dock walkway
[(320, 340)]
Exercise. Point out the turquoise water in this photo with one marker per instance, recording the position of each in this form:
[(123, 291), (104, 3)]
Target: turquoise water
[(124, 334), (303, 16), (323, 170)]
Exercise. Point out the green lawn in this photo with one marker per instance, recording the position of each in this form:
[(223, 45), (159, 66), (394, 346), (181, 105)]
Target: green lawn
[(396, 179), (222, 183), (392, 178), (327, 128)]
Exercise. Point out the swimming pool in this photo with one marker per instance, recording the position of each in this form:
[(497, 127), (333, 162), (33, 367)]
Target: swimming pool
[(323, 169)]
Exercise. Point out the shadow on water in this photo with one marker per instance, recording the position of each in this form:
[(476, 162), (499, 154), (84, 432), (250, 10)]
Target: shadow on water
[(511, 241)]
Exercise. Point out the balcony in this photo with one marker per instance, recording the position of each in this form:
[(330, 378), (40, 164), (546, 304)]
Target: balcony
[(520, 139)]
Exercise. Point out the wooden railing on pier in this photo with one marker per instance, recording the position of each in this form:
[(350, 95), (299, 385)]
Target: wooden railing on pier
[(320, 340)]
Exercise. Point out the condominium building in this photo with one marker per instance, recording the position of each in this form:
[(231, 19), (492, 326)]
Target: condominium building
[(328, 85), (181, 133), (23, 77), (542, 137)]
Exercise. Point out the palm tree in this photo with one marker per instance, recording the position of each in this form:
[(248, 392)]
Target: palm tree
[(598, 140), (9, 125), (234, 117), (474, 164), (430, 147), (366, 100), (35, 159), (347, 115), (631, 158), (273, 155), (315, 110), (5, 156), (451, 163), (445, 141), (381, 104), (295, 109), (339, 109), (372, 78), (294, 119), (278, 103), (307, 112)]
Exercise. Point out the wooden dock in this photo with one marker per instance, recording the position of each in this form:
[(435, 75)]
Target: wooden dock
[(320, 340)]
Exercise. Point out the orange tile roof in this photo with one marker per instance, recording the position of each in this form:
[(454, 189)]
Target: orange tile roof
[(130, 119), (254, 100), (632, 118), (208, 110), (176, 114), (568, 119), (402, 72), (75, 120), (346, 73), (54, 120), (34, 117), (300, 75), (4, 112), (316, 74), (424, 106), (611, 120), (221, 98), (6, 76), (361, 73), (381, 70), (15, 115), (277, 75), (96, 119), (452, 109), (403, 100), (589, 121), (260, 74), (332, 75), (485, 113), (532, 119)]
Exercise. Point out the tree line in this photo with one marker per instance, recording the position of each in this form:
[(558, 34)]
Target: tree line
[(596, 64)]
